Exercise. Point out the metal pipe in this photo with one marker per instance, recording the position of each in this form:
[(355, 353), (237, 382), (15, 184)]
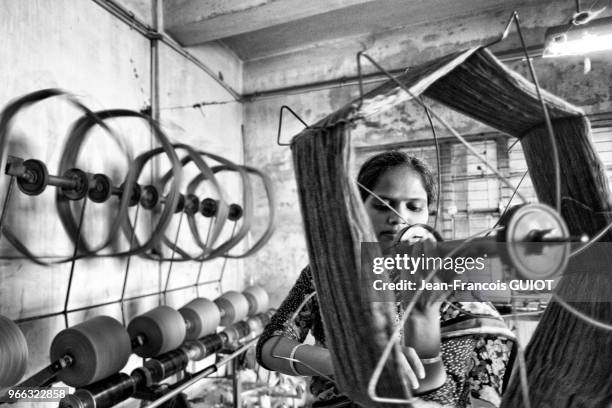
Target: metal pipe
[(134, 23), (58, 181)]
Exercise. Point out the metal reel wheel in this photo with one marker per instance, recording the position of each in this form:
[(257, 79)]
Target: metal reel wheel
[(81, 180), (526, 227), (101, 190), (38, 178)]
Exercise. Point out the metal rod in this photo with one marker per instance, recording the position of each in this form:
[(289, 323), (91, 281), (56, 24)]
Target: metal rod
[(501, 217), (280, 123), (236, 384), (7, 198), (439, 169), (202, 374), (73, 262), (58, 181), (551, 134), (225, 258), (178, 230), (127, 265), (202, 261)]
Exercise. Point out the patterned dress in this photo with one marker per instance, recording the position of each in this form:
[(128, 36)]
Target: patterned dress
[(475, 348)]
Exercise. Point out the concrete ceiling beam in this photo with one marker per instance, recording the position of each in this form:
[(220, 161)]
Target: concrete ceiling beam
[(193, 22)]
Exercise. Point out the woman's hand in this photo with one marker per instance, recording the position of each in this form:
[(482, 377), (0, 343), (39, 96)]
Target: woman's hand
[(422, 333), (412, 365)]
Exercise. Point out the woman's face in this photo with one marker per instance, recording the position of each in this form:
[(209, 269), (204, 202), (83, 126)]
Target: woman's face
[(403, 190)]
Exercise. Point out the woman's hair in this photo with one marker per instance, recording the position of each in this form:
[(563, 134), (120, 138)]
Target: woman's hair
[(377, 165)]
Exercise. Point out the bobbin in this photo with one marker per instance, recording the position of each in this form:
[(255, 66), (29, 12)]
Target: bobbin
[(119, 387), (157, 331), (258, 299), (101, 188), (151, 197), (192, 204), (33, 178), (210, 206), (235, 212), (234, 306), (13, 353), (537, 241), (202, 317), (134, 195), (97, 348)]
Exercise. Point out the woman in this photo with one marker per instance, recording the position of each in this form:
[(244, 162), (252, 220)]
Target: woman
[(397, 190)]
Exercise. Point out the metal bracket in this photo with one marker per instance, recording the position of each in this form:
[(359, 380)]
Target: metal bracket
[(280, 123)]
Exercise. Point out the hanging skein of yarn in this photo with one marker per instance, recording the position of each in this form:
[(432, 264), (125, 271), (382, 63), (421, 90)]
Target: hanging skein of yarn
[(357, 329)]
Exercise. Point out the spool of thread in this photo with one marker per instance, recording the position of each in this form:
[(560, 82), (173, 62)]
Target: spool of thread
[(163, 329), (234, 306), (98, 347), (203, 317), (13, 353), (258, 299)]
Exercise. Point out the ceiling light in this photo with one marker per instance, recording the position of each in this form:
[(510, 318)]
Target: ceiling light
[(572, 39)]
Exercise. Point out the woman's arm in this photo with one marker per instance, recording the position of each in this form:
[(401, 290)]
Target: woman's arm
[(281, 342), (291, 322), (294, 358)]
